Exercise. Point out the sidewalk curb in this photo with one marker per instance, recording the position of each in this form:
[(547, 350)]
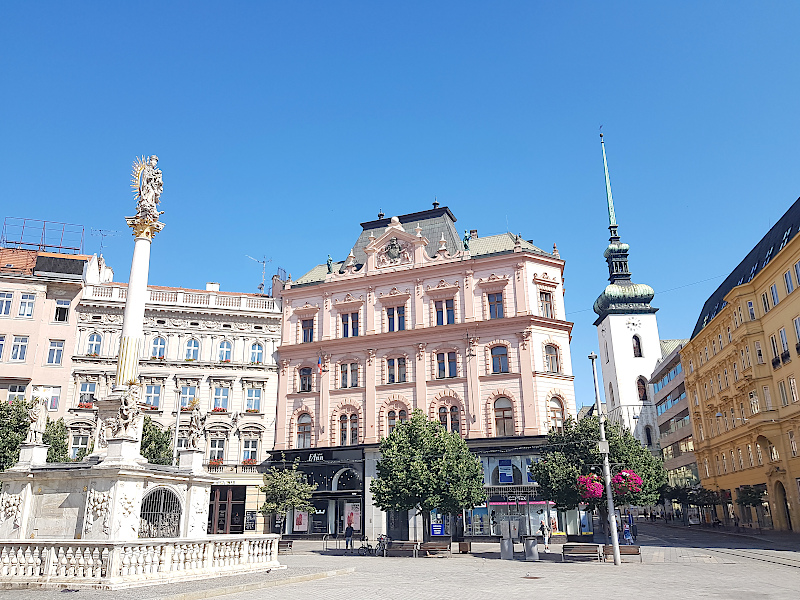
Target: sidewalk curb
[(247, 587)]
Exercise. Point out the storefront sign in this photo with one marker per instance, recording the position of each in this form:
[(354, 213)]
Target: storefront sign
[(250, 520), (437, 528), (316, 457)]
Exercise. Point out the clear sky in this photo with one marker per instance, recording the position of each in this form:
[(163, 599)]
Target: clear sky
[(280, 126)]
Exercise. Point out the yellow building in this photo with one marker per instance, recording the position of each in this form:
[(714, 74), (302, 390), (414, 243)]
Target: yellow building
[(742, 366)]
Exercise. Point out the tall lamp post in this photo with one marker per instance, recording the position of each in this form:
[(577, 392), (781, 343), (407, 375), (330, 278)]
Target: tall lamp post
[(612, 521)]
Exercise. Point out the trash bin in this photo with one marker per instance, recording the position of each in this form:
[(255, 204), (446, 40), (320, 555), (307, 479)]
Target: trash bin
[(507, 549), (531, 547)]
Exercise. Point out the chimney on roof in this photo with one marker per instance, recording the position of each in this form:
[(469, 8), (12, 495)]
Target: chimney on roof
[(380, 214), (473, 233), (212, 286)]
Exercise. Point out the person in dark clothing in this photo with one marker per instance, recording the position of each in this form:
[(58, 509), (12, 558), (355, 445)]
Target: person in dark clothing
[(348, 538)]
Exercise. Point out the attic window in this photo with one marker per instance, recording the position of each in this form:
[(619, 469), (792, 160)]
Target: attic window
[(752, 272), (161, 322), (9, 265), (97, 317), (767, 257), (194, 323), (785, 238), (259, 327), (226, 326)]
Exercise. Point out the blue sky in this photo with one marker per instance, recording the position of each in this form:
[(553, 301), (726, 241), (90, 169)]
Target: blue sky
[(281, 126)]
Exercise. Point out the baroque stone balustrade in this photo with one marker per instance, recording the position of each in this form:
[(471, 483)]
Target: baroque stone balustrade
[(195, 298), (115, 565)]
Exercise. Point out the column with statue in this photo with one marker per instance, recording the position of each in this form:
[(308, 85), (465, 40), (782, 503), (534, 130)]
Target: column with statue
[(119, 432)]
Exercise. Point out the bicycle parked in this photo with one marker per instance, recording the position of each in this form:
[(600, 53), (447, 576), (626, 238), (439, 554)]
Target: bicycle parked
[(368, 549)]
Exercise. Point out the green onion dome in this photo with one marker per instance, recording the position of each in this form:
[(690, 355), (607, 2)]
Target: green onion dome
[(624, 296)]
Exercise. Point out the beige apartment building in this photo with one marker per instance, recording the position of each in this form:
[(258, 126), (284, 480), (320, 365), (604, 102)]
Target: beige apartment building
[(741, 367)]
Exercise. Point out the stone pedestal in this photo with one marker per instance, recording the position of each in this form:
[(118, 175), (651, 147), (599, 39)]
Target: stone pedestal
[(124, 451), (31, 455), (191, 460)]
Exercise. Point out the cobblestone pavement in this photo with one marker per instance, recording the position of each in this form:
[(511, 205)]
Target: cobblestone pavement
[(676, 563)]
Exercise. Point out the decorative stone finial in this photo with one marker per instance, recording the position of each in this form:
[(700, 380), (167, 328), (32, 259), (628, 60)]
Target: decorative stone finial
[(555, 251)]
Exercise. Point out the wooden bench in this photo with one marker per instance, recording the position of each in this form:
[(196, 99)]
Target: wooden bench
[(624, 550), (285, 547), (582, 550), (429, 547), (401, 547)]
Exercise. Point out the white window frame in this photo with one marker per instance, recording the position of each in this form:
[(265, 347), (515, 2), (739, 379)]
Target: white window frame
[(55, 352), (19, 348), (152, 395), (26, 304), (225, 351), (249, 449), (222, 397), (192, 349), (87, 392), (774, 292), (253, 399), (93, 345), (159, 347), (62, 309), (5, 303), (18, 393), (188, 395), (216, 449), (787, 280), (80, 442), (257, 353)]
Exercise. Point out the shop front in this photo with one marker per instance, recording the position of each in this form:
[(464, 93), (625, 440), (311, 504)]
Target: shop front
[(338, 500)]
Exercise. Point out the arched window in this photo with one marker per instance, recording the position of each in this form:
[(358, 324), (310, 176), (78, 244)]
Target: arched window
[(225, 351), (192, 349), (159, 348), (637, 346), (353, 430), (391, 421), (343, 430), (499, 359), (304, 431), (305, 379), (455, 420), (649, 436), (94, 344), (556, 414), (551, 359), (605, 345), (402, 417), (256, 353), (503, 417), (443, 416), (641, 389)]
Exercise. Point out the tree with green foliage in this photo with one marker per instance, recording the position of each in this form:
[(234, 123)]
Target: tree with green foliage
[(156, 443), (575, 451), (286, 488), (423, 467), (13, 431), (750, 495), (57, 437)]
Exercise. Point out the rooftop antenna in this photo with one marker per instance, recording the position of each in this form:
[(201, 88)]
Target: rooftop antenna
[(263, 262), (103, 234)]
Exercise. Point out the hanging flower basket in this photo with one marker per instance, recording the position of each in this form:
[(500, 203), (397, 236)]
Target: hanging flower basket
[(590, 487), (625, 483)]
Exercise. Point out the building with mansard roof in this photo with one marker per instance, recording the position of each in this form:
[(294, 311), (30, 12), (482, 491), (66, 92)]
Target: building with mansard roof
[(470, 330)]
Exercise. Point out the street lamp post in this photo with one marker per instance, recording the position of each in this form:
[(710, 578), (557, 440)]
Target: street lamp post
[(612, 521)]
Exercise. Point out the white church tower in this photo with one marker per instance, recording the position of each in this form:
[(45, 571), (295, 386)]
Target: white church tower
[(628, 334)]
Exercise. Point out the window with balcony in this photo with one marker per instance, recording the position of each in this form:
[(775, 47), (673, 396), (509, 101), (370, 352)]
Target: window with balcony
[(305, 379), (256, 354), (445, 312), (546, 304), (26, 305), (499, 359), (217, 449), (396, 370), (503, 417), (56, 352), (495, 305), (250, 450), (86, 394), (62, 311)]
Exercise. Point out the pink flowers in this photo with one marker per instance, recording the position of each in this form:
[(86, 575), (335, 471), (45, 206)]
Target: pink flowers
[(626, 482), (590, 486)]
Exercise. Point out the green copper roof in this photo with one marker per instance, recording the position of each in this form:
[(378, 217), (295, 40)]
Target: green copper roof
[(624, 297)]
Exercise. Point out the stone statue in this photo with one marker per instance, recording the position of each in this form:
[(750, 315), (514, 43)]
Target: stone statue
[(330, 264), (37, 415), (466, 240), (148, 185), (196, 422), (128, 411)]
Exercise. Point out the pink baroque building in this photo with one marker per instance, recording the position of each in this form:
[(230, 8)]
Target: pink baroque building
[(470, 331)]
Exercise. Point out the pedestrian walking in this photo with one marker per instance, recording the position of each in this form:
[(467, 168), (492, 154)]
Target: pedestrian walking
[(545, 531), (626, 534), (348, 539)]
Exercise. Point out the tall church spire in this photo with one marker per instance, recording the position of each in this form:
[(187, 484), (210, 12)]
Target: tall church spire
[(617, 253), (612, 218)]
